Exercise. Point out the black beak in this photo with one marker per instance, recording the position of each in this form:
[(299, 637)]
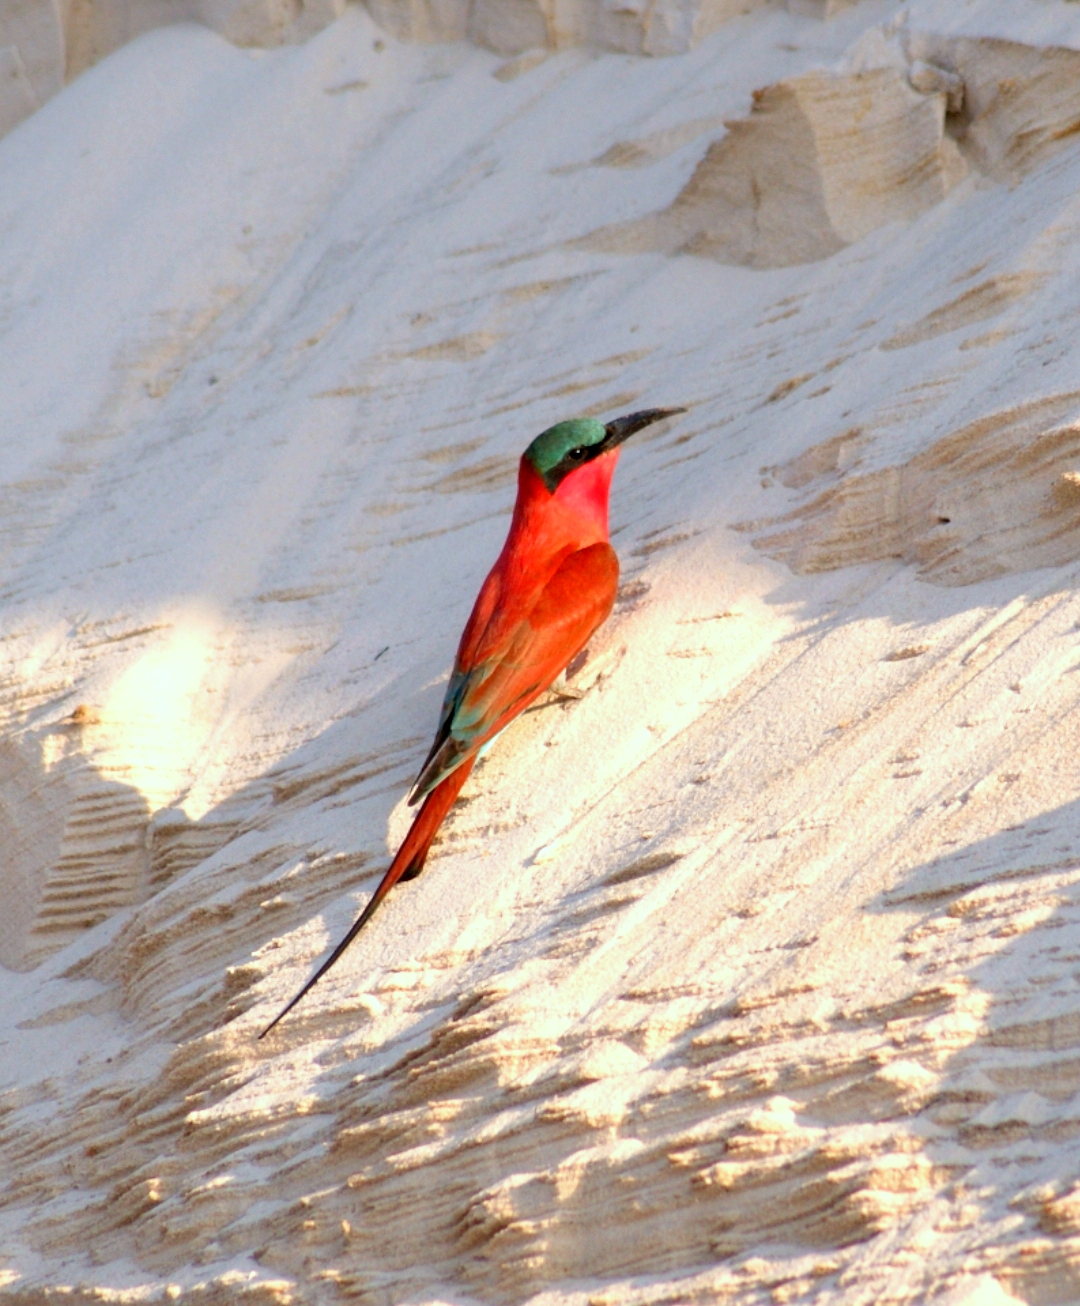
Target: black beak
[(622, 428)]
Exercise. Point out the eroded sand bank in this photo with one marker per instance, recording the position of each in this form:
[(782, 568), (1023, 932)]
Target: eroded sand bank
[(749, 974)]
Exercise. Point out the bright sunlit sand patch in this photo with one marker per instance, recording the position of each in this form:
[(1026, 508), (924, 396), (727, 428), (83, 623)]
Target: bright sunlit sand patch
[(745, 967), (156, 716)]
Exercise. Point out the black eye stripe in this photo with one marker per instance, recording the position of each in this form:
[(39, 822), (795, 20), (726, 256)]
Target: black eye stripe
[(571, 460)]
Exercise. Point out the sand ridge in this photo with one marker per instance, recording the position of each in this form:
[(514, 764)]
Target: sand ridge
[(744, 971)]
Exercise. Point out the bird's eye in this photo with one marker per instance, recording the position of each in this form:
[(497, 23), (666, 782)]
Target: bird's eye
[(576, 454)]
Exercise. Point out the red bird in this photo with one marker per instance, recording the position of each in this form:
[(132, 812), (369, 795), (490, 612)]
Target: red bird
[(553, 584)]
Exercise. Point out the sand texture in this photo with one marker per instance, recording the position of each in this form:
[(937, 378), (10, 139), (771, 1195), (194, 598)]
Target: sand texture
[(746, 969)]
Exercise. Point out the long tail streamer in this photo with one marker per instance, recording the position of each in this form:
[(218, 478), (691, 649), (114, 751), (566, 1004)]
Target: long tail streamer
[(408, 862)]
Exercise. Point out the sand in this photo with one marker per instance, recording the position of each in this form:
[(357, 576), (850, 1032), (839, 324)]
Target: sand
[(748, 973)]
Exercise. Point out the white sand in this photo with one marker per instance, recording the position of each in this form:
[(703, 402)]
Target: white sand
[(752, 974)]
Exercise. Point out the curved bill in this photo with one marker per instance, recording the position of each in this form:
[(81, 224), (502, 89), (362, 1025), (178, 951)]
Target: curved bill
[(622, 428)]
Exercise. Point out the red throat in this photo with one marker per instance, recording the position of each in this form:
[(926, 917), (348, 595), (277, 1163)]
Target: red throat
[(585, 491)]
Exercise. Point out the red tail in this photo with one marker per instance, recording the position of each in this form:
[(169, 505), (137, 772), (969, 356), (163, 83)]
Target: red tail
[(408, 863), (412, 854)]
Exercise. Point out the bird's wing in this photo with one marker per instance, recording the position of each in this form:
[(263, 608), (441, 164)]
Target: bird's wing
[(547, 634)]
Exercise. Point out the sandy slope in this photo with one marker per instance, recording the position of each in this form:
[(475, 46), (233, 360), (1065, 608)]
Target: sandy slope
[(749, 975)]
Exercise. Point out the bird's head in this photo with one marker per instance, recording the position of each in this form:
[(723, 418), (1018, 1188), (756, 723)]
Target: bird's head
[(562, 449)]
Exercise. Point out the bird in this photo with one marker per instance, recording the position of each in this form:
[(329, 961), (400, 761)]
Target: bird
[(551, 587)]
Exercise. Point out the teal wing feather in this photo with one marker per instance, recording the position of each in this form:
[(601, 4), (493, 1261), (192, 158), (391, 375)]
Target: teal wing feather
[(482, 701)]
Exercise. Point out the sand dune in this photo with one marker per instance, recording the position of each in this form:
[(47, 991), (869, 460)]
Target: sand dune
[(745, 972)]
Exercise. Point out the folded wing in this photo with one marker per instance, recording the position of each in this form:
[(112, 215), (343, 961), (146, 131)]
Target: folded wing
[(483, 699)]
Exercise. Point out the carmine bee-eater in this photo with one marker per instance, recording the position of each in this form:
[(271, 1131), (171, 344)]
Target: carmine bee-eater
[(552, 585)]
